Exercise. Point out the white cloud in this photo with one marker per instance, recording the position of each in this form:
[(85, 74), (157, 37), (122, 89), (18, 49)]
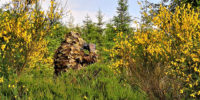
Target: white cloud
[(79, 16), (2, 2), (80, 8)]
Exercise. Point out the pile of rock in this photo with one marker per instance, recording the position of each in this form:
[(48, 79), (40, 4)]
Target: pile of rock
[(71, 53)]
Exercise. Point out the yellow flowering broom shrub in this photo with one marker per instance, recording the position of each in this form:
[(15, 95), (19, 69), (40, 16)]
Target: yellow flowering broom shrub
[(22, 34), (171, 47)]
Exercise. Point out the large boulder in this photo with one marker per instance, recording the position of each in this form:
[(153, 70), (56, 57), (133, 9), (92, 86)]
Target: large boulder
[(72, 53)]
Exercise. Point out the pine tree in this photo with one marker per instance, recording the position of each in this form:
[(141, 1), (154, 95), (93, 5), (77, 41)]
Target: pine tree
[(87, 24), (174, 3), (100, 22), (122, 20), (89, 29), (110, 31)]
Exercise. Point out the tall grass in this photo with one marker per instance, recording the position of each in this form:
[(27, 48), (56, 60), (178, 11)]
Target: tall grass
[(94, 82)]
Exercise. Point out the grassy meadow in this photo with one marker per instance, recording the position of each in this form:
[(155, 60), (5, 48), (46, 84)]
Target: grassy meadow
[(158, 60)]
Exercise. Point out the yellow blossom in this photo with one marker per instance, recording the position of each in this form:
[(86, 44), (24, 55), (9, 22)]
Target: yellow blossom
[(1, 80), (198, 93), (190, 85), (192, 95), (3, 47), (27, 32), (85, 97), (181, 91), (174, 45)]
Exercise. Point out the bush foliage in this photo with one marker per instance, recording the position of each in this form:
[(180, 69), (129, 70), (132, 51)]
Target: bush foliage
[(22, 36), (172, 47)]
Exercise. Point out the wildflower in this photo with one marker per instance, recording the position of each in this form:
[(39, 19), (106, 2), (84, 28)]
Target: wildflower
[(195, 69), (195, 59), (54, 27), (9, 85), (85, 97), (187, 80), (181, 91), (190, 85), (1, 80), (198, 93), (20, 50), (192, 95), (3, 47), (13, 86), (4, 32)]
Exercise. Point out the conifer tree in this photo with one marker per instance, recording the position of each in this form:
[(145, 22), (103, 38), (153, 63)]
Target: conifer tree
[(89, 29), (122, 20), (100, 22), (87, 24), (174, 3)]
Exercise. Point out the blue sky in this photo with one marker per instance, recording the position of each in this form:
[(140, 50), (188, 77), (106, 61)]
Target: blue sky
[(80, 8)]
